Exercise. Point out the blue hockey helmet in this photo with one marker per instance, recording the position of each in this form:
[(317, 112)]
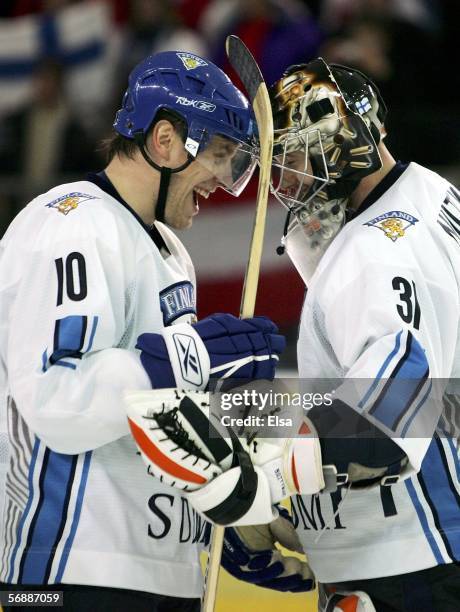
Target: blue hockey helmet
[(189, 85), (214, 110), (192, 87)]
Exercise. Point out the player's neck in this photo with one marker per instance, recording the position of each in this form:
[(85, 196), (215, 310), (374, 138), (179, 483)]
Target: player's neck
[(136, 183), (370, 182)]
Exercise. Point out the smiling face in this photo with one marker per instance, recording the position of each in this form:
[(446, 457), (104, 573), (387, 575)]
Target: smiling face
[(166, 147), (222, 162), (212, 168), (185, 190)]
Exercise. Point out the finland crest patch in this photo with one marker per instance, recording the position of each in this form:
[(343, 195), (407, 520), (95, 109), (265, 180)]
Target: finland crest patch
[(393, 224), (177, 300), (191, 61), (69, 202)]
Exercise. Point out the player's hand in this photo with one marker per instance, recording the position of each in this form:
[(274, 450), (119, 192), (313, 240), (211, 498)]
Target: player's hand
[(219, 346), (250, 554)]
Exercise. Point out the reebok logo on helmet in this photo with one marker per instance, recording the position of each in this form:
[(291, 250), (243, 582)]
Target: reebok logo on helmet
[(199, 104)]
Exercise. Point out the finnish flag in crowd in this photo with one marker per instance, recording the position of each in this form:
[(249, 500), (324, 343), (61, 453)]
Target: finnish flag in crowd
[(78, 36)]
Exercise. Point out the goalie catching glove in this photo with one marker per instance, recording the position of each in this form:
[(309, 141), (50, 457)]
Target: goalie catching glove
[(219, 346), (250, 554), (230, 482)]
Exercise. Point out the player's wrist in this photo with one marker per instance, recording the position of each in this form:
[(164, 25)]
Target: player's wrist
[(158, 370), (176, 357)]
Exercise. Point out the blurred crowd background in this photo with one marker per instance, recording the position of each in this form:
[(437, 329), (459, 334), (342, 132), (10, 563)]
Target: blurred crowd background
[(64, 66)]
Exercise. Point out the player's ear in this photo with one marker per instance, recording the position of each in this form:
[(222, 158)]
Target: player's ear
[(161, 139)]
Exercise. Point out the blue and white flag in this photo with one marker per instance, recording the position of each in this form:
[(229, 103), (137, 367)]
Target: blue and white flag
[(78, 36)]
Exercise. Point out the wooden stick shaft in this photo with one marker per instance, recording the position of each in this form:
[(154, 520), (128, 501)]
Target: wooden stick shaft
[(212, 569), (248, 302), (249, 72), (251, 279)]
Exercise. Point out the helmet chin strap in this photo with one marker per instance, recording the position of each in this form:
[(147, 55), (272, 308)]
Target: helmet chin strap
[(165, 175)]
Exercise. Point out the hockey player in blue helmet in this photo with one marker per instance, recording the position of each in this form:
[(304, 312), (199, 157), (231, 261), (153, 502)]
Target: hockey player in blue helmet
[(109, 305), (180, 109)]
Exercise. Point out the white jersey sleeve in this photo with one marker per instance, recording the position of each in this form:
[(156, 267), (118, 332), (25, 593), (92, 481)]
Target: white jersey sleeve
[(69, 311)]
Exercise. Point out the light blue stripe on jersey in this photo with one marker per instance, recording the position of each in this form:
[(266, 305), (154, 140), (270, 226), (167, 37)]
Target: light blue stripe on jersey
[(70, 337), (401, 389), (454, 457), (66, 364), (49, 516), (93, 333), (382, 370), (70, 332), (76, 517), (27, 508), (423, 521), (441, 492), (417, 408)]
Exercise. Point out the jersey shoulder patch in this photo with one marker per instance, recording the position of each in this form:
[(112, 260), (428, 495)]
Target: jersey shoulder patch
[(177, 300), (68, 202), (394, 223)]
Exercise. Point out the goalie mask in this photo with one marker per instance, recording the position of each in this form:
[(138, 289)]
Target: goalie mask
[(327, 121)]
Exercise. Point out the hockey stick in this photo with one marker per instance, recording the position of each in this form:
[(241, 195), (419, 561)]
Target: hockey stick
[(252, 79)]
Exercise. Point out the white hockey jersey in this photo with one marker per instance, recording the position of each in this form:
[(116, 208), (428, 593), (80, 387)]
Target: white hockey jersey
[(383, 307), (80, 278)]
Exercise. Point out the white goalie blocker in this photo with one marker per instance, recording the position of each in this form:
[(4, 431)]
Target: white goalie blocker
[(180, 446), (175, 437), (226, 479)]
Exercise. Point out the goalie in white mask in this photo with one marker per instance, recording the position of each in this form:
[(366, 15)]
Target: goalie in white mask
[(377, 243), (375, 491)]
